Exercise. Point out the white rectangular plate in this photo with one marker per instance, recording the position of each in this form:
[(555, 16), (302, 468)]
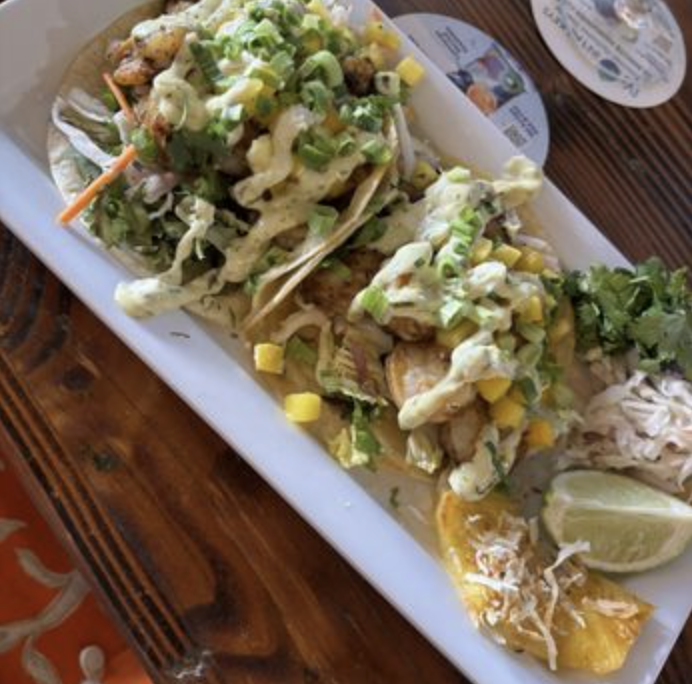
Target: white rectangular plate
[(38, 39)]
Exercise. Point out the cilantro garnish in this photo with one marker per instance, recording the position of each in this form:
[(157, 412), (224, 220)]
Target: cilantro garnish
[(648, 309)]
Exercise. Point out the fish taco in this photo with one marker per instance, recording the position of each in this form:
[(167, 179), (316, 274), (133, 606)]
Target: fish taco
[(219, 148)]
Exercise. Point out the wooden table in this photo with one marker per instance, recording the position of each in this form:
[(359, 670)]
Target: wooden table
[(201, 564)]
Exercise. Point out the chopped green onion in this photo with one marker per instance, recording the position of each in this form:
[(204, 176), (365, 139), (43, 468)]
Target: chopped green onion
[(451, 313), (464, 231), (367, 113), (251, 285), (448, 265), (377, 152), (299, 350), (313, 157), (529, 355), (345, 144), (219, 127), (313, 22), (265, 106), (316, 96), (109, 100), (336, 267), (315, 149), (322, 219), (506, 342), (233, 114), (362, 435), (372, 231), (204, 58), (209, 187), (531, 332), (498, 463), (272, 257), (388, 83), (326, 66), (145, 144), (458, 174), (264, 36), (288, 99), (267, 75), (230, 48), (375, 302), (563, 396), (528, 390), (282, 64), (470, 216), (486, 316)]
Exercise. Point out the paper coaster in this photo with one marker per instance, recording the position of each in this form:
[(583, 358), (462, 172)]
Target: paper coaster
[(482, 69), (635, 69)]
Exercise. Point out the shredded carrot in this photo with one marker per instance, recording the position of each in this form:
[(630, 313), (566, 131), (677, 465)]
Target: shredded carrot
[(106, 178), (119, 95)]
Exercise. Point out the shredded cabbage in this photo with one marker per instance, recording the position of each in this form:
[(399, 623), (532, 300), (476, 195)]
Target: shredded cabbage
[(643, 424)]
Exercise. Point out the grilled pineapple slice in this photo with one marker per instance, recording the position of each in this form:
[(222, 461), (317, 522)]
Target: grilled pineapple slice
[(591, 625)]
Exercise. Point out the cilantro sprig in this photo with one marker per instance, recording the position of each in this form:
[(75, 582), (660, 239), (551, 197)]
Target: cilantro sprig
[(648, 308)]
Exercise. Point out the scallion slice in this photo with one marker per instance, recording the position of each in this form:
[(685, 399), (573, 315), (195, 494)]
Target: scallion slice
[(374, 301), (376, 152), (322, 219)]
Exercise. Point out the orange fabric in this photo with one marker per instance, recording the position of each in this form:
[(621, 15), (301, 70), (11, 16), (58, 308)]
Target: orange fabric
[(23, 598)]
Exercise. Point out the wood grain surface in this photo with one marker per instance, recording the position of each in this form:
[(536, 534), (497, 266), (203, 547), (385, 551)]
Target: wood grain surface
[(211, 576)]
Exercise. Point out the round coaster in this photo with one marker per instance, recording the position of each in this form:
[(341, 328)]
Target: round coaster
[(632, 68), (482, 69)]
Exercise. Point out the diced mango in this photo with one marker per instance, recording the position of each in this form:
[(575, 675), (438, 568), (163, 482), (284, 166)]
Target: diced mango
[(493, 389), (375, 32), (305, 407), (507, 254), (531, 261), (269, 358), (424, 175), (481, 250), (410, 71), (376, 55), (531, 310), (539, 434), (455, 336), (507, 413)]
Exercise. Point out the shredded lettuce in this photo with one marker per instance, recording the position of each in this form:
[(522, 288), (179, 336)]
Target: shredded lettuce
[(362, 437), (356, 445), (299, 350)]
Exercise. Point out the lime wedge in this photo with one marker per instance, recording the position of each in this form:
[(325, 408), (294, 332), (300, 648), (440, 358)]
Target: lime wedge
[(631, 527)]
